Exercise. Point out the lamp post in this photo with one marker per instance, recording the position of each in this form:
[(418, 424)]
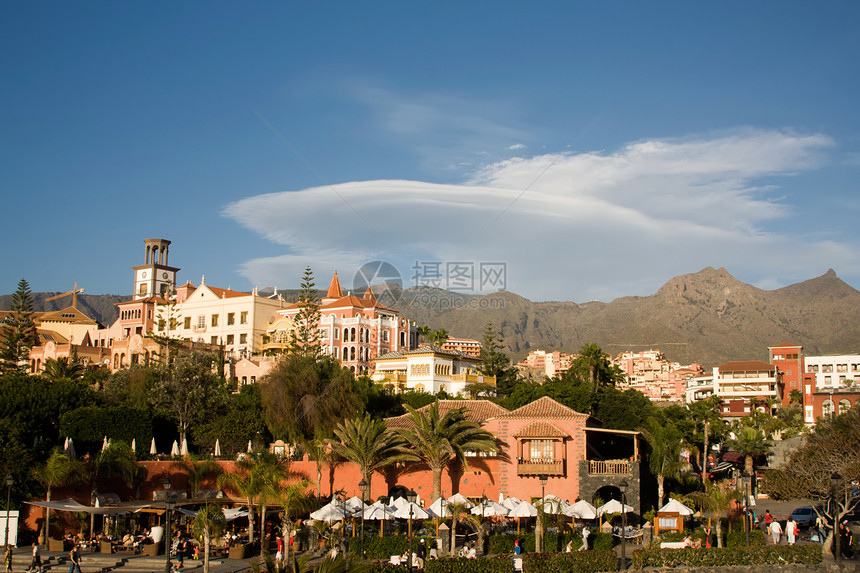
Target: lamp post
[(9, 483), (835, 486), (542, 478), (745, 486), (410, 497), (362, 485), (168, 539), (623, 488)]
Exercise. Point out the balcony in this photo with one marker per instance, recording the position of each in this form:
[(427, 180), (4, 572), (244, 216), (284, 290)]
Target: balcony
[(474, 379), (608, 467), (533, 467)]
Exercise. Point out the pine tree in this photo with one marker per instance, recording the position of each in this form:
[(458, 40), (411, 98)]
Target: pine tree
[(18, 335), (305, 339), (496, 363)]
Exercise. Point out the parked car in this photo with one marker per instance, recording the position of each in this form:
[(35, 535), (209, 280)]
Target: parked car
[(804, 516)]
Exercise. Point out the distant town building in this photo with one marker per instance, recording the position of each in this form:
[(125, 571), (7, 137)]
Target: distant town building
[(467, 346), (741, 383), (545, 363), (653, 375)]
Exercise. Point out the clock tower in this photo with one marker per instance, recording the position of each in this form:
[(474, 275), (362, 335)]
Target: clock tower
[(155, 277)]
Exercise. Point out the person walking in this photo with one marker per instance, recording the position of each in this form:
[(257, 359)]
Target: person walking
[(775, 531), (821, 527), (790, 531), (75, 559), (585, 534), (768, 519), (36, 562)]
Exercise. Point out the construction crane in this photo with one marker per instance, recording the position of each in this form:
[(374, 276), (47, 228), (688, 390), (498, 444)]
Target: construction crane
[(74, 294)]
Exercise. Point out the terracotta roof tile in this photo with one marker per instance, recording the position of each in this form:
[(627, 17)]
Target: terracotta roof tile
[(476, 411), (541, 430), (226, 293), (545, 407)]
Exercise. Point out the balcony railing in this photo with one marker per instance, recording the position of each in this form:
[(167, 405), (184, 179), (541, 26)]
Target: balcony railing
[(474, 379), (608, 467), (532, 467)]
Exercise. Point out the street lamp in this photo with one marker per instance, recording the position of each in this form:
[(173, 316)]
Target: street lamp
[(410, 497), (9, 483), (623, 488), (362, 485), (542, 478), (168, 540), (745, 486), (836, 486)]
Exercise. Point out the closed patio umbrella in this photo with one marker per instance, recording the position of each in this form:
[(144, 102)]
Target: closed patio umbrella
[(217, 448), (152, 450), (174, 450)]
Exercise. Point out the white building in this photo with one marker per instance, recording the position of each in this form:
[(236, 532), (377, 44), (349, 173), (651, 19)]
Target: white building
[(232, 319), (429, 369), (834, 371)]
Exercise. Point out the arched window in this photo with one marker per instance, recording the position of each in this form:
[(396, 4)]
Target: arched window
[(402, 339), (334, 351), (352, 352), (827, 408), (352, 334), (844, 406), (346, 335)]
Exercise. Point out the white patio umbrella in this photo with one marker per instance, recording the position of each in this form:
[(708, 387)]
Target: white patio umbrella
[(174, 451), (490, 508), (183, 450), (355, 505), (249, 447), (581, 510), (613, 506), (553, 504), (411, 511), (134, 445), (399, 502), (438, 509), (676, 506), (69, 450), (217, 447), (524, 509), (152, 450), (105, 443), (458, 498), (378, 511), (510, 502), (330, 512)]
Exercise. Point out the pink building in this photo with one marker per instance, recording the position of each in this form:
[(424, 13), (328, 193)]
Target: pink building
[(551, 364), (355, 330)]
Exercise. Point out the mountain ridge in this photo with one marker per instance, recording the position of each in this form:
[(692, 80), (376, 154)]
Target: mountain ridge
[(709, 317)]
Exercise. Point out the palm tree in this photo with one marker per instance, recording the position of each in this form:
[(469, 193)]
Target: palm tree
[(291, 496), (369, 444), (63, 368), (272, 471), (665, 459), (117, 460), (423, 331), (197, 470), (248, 483), (59, 470), (716, 501), (439, 337), (208, 523), (750, 442), (438, 439)]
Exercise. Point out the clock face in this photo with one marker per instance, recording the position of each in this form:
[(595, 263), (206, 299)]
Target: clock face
[(164, 275), (143, 275)]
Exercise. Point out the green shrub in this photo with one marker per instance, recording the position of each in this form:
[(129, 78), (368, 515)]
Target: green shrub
[(601, 540), (739, 538), (385, 567), (497, 544), (500, 564), (380, 547), (580, 561), (714, 557)]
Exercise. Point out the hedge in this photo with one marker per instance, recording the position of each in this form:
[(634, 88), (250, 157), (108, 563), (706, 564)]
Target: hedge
[(580, 561), (500, 564), (739, 539), (385, 567), (381, 547), (554, 542), (720, 557)]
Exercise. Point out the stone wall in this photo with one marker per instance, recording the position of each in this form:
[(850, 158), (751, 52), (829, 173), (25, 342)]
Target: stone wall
[(589, 484)]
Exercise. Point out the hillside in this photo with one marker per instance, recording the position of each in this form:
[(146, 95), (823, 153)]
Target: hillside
[(708, 317)]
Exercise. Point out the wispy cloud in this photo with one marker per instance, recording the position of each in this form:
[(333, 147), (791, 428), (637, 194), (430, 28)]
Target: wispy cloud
[(593, 226), (516, 146)]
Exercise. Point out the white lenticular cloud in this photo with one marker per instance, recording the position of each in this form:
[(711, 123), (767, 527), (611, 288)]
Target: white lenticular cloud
[(516, 146), (571, 226)]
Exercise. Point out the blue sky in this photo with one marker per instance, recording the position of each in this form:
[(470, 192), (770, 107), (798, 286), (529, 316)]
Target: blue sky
[(597, 149)]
